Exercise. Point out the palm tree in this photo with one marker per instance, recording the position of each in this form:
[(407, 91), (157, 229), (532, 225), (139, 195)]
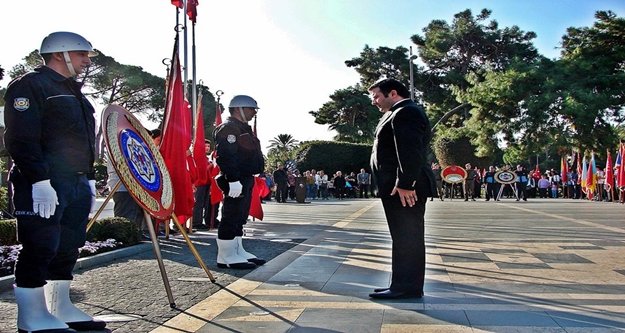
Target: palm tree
[(281, 148), (283, 142)]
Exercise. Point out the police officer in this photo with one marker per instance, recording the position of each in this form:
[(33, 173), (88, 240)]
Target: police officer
[(521, 182), (491, 184), (50, 135), (239, 158)]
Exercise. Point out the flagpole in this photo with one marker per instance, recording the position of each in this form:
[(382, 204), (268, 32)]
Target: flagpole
[(185, 76), (194, 86)]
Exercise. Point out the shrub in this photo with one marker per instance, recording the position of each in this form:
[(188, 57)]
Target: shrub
[(118, 228), (8, 232), (333, 156)]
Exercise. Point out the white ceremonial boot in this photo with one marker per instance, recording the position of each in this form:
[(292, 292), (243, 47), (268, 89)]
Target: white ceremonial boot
[(248, 256), (59, 304), (32, 314), (228, 257)]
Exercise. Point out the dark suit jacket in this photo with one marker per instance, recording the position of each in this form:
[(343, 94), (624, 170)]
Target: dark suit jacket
[(399, 155)]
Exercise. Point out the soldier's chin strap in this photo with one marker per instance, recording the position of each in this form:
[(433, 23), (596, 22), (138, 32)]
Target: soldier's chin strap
[(68, 62), (242, 115)]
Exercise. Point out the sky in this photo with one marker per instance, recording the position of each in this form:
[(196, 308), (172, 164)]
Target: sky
[(287, 54)]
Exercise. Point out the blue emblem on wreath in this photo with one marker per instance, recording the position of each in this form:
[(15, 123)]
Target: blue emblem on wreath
[(140, 160)]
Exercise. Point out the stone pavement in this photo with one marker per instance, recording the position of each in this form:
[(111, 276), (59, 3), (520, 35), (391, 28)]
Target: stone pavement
[(546, 265)]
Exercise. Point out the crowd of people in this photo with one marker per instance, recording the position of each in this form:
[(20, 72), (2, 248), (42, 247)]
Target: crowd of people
[(282, 183), (480, 183)]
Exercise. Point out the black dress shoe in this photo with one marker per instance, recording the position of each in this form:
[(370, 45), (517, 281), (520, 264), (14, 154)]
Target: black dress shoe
[(239, 265), (53, 330), (91, 325), (377, 290), (390, 294), (257, 261)]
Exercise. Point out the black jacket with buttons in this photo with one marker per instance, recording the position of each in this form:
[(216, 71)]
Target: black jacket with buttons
[(50, 126), (238, 150)]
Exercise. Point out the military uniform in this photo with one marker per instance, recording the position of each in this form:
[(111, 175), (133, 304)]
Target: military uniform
[(50, 134), (239, 158)]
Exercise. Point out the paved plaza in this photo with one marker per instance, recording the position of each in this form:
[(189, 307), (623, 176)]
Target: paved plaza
[(546, 265)]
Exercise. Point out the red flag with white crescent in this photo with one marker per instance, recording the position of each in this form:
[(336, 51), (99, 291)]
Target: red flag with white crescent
[(176, 141)]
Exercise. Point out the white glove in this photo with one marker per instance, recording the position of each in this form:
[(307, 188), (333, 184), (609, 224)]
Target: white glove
[(235, 189), (92, 188), (44, 199)]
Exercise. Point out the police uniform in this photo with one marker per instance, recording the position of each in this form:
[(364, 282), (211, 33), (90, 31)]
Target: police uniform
[(491, 185), (50, 134), (521, 184), (239, 158)]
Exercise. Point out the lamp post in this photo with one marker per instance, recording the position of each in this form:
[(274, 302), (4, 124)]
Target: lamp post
[(410, 59)]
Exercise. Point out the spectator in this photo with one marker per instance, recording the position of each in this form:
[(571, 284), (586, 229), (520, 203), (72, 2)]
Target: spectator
[(339, 185), (282, 183), (364, 180), (544, 186), (322, 182), (469, 183)]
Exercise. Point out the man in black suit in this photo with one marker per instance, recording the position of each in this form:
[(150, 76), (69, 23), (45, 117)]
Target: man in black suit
[(405, 181)]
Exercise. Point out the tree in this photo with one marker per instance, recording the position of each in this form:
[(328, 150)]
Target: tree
[(382, 62), (552, 106), (593, 99), (128, 86), (31, 61), (281, 149), (350, 113)]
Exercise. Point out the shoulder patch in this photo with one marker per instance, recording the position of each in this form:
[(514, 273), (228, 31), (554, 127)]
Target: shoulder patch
[(21, 103), (231, 138)]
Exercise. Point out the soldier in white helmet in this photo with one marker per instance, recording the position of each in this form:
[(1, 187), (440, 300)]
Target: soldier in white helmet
[(50, 135), (239, 158)]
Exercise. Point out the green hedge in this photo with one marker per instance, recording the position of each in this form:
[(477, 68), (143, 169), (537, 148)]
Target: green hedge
[(8, 235), (118, 228), (333, 156)]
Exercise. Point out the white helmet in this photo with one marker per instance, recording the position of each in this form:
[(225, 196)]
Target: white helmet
[(62, 41), (243, 101)]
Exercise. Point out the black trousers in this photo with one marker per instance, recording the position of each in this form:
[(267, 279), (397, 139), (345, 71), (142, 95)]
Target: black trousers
[(234, 211), (491, 190), (50, 246), (203, 210), (282, 191), (364, 190), (520, 189), (407, 228)]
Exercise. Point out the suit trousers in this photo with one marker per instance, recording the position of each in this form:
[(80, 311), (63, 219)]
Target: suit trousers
[(407, 228)]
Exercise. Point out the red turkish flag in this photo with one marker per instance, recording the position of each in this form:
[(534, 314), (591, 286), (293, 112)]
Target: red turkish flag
[(192, 9), (216, 194), (199, 147), (176, 141), (259, 191), (217, 115), (178, 3)]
